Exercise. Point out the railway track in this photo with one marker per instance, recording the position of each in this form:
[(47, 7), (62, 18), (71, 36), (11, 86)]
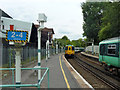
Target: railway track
[(115, 84), (114, 76)]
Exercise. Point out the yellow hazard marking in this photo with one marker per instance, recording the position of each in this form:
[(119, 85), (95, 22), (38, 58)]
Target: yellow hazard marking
[(68, 86), (16, 40)]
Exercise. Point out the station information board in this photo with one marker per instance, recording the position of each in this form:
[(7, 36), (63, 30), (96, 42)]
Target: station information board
[(16, 35)]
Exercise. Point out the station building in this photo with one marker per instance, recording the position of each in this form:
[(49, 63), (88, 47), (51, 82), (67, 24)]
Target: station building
[(5, 22)]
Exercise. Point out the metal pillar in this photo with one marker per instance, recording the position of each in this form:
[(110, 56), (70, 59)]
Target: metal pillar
[(48, 47), (39, 49), (41, 19), (18, 65), (56, 48), (93, 47), (39, 54), (46, 51)]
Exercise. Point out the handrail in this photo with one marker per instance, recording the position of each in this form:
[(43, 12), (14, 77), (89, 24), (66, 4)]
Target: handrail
[(27, 85)]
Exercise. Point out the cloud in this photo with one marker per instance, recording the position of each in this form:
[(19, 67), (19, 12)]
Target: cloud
[(64, 16)]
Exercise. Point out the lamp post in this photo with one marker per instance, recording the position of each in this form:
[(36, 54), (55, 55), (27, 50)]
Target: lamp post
[(93, 47), (41, 19), (56, 48), (48, 46), (46, 50)]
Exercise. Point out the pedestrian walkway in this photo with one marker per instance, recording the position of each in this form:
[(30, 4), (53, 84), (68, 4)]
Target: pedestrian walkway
[(60, 75)]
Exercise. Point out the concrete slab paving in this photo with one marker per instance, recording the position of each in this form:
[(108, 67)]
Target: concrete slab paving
[(57, 79), (56, 76)]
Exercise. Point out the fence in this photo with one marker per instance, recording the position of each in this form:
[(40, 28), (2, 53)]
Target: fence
[(27, 54)]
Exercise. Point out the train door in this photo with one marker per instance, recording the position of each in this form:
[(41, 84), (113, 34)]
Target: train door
[(102, 52)]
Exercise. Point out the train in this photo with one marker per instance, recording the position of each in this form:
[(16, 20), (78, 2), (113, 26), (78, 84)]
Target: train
[(79, 49), (109, 54), (69, 51)]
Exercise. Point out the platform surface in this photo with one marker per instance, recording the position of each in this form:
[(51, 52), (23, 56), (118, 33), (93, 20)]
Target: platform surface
[(60, 75), (97, 57), (57, 78)]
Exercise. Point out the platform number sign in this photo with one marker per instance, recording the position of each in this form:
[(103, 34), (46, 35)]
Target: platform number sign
[(17, 35)]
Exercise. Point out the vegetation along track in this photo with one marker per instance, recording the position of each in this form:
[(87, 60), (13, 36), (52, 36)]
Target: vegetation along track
[(97, 72)]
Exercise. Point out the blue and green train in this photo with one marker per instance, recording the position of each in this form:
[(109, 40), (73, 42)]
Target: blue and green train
[(109, 53)]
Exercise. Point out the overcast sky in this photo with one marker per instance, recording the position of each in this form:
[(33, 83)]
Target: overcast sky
[(64, 16)]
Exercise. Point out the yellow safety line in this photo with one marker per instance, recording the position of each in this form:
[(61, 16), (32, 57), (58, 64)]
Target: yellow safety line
[(68, 86)]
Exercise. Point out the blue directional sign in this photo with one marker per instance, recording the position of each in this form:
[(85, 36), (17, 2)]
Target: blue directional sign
[(17, 35)]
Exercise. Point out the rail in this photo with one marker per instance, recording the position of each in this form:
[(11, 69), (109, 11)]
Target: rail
[(27, 85), (108, 82)]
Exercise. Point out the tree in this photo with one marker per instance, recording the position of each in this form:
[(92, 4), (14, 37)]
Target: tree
[(62, 41), (92, 14), (78, 43), (110, 22), (65, 38)]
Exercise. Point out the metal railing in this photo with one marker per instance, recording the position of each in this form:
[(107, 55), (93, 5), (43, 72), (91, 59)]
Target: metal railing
[(27, 85)]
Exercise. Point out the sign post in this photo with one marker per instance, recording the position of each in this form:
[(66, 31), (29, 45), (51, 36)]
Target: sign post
[(17, 38), (18, 65)]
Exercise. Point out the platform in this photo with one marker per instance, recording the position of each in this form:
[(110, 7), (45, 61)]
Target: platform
[(89, 55), (61, 74)]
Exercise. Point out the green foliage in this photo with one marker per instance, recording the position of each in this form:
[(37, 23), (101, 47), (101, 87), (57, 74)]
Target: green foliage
[(101, 20), (65, 41), (65, 38), (92, 14), (62, 41), (103, 33), (110, 22), (78, 43)]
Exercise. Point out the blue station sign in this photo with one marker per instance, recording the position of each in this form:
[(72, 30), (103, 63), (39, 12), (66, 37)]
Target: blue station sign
[(17, 35)]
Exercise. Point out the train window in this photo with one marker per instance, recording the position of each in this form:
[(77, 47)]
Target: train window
[(111, 49), (66, 48), (73, 48), (3, 27), (69, 48)]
